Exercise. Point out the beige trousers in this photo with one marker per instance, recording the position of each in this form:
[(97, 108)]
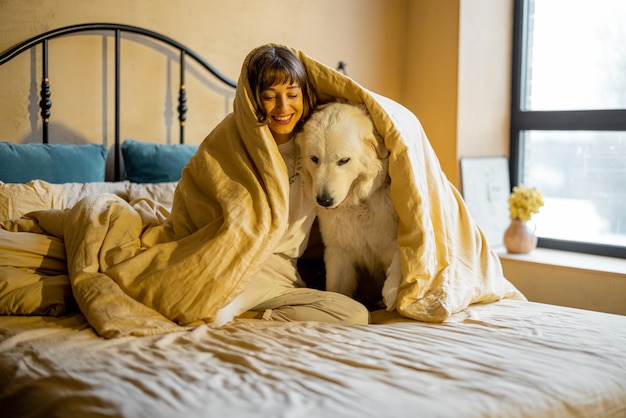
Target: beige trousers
[(278, 293)]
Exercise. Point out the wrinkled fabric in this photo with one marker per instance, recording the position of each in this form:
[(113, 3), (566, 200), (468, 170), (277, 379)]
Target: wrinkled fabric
[(507, 359)]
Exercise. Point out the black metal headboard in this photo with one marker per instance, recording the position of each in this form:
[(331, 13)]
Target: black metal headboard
[(45, 104)]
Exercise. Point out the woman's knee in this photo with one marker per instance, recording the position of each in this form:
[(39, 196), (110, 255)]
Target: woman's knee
[(349, 310), (303, 304)]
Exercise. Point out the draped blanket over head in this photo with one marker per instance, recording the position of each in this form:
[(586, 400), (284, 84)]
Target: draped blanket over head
[(229, 213)]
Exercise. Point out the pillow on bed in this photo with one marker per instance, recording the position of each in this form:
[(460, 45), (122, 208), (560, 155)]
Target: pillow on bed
[(162, 193), (54, 163), (18, 199), (155, 163)]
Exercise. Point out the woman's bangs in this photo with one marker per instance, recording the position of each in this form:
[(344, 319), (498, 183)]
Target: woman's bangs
[(281, 75)]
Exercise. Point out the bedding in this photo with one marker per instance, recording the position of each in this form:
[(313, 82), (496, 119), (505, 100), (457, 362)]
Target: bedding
[(19, 199), (106, 299), (504, 359), (36, 282)]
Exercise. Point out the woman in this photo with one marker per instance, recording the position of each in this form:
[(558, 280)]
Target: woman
[(283, 99)]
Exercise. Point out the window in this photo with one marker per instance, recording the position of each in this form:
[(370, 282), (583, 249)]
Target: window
[(568, 120)]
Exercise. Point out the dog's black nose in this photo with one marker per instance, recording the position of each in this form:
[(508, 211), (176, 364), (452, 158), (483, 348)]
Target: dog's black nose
[(324, 200)]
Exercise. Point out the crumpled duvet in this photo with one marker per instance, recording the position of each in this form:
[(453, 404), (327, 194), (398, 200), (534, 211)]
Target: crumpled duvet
[(133, 275)]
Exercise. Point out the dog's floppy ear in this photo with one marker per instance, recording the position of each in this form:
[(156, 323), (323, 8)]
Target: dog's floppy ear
[(378, 143), (375, 140)]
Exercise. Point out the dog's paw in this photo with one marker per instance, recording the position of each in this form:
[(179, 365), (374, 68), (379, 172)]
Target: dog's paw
[(390, 290), (392, 283), (390, 293)]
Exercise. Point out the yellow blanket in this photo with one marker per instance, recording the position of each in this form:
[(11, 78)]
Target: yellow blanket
[(229, 212)]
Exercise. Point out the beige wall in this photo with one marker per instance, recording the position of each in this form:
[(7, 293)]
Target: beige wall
[(431, 75), (484, 78), (446, 60), (225, 31), (457, 76)]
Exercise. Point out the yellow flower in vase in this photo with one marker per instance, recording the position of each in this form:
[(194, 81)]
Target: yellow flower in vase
[(524, 202)]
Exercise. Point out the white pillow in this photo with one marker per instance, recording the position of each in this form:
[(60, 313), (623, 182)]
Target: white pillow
[(162, 193), (16, 200)]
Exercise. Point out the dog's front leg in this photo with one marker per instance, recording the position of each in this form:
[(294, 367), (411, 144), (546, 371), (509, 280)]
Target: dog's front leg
[(341, 276), (392, 282)]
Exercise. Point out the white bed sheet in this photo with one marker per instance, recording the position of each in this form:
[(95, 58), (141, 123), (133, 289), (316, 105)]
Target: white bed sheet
[(505, 359)]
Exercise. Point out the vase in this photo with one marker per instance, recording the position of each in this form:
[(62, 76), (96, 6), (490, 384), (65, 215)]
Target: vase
[(519, 238)]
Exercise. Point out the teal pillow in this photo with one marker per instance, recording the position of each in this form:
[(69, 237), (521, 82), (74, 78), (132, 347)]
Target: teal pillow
[(155, 163), (54, 163)]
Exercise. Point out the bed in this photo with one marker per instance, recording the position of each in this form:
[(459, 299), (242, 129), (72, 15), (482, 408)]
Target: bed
[(506, 357)]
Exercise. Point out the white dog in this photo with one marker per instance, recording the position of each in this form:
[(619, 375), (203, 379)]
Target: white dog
[(344, 163)]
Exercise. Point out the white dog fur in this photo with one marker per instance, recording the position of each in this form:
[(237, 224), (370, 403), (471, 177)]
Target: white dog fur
[(344, 166)]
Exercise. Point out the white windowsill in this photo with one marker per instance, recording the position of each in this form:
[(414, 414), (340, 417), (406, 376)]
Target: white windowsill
[(549, 257)]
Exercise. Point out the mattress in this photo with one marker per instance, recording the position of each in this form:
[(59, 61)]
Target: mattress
[(504, 359)]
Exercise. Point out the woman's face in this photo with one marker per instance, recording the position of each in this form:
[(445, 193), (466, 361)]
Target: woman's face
[(283, 104)]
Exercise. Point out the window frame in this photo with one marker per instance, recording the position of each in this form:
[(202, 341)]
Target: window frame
[(566, 120)]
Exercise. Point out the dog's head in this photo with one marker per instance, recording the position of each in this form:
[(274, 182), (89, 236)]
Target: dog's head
[(343, 157)]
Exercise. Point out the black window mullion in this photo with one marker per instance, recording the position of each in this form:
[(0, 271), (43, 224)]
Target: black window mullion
[(515, 151), (570, 120)]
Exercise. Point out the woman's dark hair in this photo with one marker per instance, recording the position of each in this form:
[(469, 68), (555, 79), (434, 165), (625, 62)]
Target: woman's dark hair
[(270, 65)]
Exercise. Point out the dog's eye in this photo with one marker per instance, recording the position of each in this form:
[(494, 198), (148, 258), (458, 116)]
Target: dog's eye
[(343, 161), (314, 159)]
